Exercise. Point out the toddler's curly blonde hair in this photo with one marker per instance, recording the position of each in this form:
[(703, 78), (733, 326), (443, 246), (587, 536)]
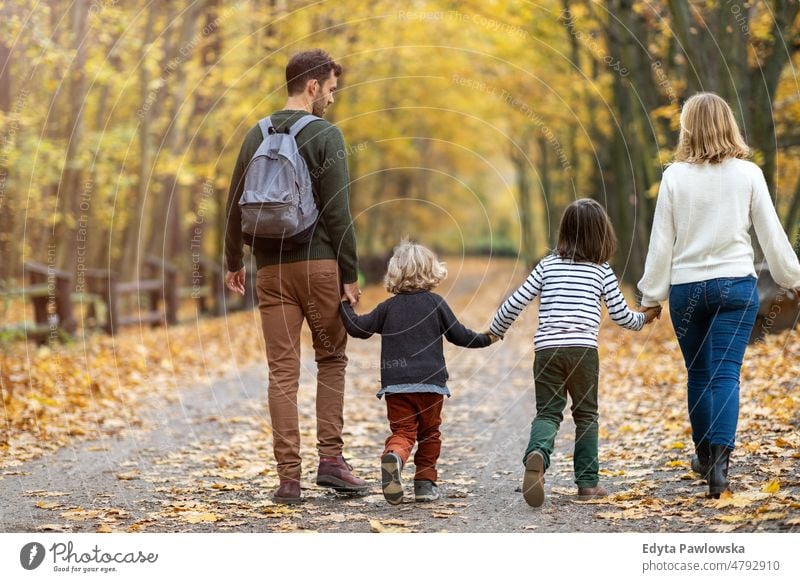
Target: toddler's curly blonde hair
[(413, 267)]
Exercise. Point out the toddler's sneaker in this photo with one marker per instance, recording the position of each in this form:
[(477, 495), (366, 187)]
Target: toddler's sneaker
[(533, 481), (391, 466), (425, 490)]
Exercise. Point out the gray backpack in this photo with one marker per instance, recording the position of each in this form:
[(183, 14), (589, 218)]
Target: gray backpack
[(277, 202)]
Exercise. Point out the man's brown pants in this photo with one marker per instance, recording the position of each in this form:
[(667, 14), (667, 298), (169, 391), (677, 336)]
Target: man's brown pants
[(287, 295)]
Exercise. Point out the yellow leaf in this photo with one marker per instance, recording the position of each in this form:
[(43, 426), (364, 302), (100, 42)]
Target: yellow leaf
[(45, 505), (751, 447), (128, 476), (52, 527), (196, 517), (723, 528), (44, 400), (771, 487), (677, 463), (728, 499), (80, 514), (226, 486), (389, 526), (677, 445)]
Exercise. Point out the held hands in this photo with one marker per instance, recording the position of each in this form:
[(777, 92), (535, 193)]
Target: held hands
[(235, 281), (650, 313), (493, 338), (351, 293)]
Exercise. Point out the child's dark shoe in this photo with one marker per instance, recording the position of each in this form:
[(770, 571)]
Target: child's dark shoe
[(533, 481), (391, 466), (589, 493), (425, 490)]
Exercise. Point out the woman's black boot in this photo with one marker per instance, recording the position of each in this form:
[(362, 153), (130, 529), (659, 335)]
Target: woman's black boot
[(701, 460), (718, 471)]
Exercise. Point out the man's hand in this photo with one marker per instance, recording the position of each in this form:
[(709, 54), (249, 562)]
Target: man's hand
[(493, 338), (235, 281), (352, 293)]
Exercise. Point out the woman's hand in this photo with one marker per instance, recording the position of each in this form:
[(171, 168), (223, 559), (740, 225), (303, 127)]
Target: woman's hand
[(650, 313)]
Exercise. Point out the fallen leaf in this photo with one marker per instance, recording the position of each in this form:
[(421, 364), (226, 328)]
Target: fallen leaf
[(44, 505), (723, 528), (129, 475), (771, 487), (728, 499), (53, 527), (196, 517), (677, 463), (389, 526), (80, 514)]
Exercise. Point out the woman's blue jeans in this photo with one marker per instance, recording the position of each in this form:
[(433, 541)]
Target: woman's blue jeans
[(713, 320)]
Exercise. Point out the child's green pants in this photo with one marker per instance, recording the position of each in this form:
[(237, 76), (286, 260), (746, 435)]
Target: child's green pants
[(558, 372)]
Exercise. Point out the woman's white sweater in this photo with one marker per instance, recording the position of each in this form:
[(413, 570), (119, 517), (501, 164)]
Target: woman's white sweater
[(701, 228)]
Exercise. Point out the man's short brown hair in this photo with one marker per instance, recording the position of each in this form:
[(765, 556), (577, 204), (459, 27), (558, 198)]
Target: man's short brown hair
[(313, 64)]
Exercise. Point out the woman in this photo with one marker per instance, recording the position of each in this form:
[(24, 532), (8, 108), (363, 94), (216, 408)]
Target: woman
[(701, 258)]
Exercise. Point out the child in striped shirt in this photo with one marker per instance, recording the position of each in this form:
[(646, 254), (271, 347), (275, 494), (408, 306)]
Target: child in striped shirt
[(570, 284)]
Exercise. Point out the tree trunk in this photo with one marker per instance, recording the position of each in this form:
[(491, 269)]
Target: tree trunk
[(522, 176), (792, 221), (552, 210), (70, 189), (8, 263), (576, 174), (130, 255), (163, 224)]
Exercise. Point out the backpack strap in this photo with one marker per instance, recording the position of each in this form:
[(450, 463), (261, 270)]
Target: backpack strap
[(265, 124), (301, 123)]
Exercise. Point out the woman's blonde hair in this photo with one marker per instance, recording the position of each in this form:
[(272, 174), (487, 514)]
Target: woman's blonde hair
[(413, 267), (709, 132)]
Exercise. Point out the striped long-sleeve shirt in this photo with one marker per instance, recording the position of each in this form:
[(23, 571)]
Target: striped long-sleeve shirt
[(569, 310)]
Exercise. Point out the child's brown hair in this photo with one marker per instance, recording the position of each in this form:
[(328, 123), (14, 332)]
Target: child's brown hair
[(586, 233)]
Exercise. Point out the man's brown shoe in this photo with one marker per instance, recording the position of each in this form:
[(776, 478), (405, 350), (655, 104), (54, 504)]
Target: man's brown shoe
[(533, 481), (587, 493), (336, 473), (288, 492)]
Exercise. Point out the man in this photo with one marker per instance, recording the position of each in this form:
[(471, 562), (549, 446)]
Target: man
[(304, 282)]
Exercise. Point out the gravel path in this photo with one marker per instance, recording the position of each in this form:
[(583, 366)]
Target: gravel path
[(203, 462)]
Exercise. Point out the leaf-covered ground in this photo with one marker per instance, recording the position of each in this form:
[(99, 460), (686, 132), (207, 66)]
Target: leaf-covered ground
[(167, 430)]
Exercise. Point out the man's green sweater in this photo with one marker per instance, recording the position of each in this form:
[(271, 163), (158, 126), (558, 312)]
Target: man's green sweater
[(322, 146)]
